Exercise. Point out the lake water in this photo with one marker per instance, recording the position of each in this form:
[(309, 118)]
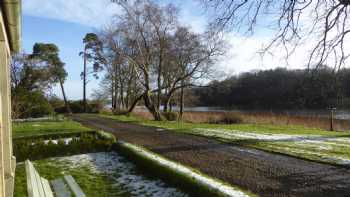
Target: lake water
[(338, 114)]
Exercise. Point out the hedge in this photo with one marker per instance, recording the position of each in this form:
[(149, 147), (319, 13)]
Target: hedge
[(40, 147)]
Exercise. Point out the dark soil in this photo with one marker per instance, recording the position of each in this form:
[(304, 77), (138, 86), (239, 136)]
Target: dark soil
[(260, 172)]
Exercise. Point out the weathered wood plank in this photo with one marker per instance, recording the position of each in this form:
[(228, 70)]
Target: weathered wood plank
[(74, 186), (2, 171), (46, 187), (36, 185), (40, 187), (39, 184), (32, 188), (60, 188)]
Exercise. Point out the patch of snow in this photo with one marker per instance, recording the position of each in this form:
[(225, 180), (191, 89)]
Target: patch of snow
[(123, 173), (252, 135), (37, 119), (251, 151), (324, 157), (212, 183), (66, 141), (302, 144)]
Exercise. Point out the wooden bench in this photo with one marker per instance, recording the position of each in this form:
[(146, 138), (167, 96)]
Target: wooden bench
[(38, 186)]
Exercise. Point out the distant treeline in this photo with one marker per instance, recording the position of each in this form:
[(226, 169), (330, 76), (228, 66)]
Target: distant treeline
[(280, 88)]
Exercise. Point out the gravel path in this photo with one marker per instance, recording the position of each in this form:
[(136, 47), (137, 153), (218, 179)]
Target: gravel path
[(260, 172)]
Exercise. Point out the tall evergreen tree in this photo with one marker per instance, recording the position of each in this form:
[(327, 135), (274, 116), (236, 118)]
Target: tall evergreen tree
[(92, 48), (48, 55)]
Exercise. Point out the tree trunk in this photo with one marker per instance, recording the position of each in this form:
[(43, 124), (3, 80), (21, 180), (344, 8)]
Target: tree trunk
[(112, 93), (122, 103), (182, 102), (151, 107), (165, 106), (127, 99), (128, 90), (115, 91), (64, 97), (167, 103), (159, 79), (159, 86), (134, 104), (170, 106), (84, 82), (147, 96)]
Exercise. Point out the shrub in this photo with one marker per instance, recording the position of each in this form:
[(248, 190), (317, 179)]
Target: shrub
[(120, 112), (227, 118), (92, 106), (95, 106), (105, 111), (57, 104), (77, 106), (106, 136), (30, 104), (170, 116)]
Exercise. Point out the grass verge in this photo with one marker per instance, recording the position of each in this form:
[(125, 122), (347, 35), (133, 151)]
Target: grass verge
[(254, 128), (22, 129)]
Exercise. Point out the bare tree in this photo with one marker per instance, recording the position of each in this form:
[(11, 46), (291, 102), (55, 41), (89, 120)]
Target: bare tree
[(163, 21), (322, 23), (191, 57), (121, 74), (103, 93), (143, 29), (163, 56)]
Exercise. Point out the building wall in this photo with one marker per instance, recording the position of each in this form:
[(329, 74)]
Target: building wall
[(7, 161)]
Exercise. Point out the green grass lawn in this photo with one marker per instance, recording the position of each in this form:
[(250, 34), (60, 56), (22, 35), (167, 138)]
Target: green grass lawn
[(308, 143), (22, 129), (255, 128)]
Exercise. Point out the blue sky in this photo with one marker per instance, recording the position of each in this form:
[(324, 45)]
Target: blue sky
[(66, 22), (68, 37)]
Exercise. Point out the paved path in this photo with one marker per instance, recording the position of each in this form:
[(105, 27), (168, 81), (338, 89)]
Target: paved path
[(263, 173)]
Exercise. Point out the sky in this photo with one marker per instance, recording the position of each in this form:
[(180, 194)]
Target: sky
[(65, 23)]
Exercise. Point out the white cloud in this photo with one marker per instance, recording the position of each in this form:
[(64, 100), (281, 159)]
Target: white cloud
[(243, 55), (94, 13), (97, 13)]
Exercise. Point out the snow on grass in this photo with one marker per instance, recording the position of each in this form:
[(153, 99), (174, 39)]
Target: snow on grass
[(324, 148), (311, 154), (209, 182), (65, 140), (123, 174), (37, 119), (254, 135)]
